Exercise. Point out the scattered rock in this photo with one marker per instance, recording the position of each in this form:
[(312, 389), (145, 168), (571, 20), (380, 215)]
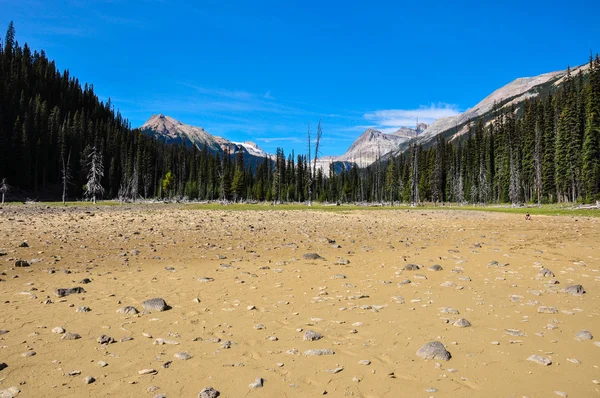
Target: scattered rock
[(58, 330), (184, 356), (435, 267), (65, 292), (9, 392), (364, 362), (258, 383), (576, 290), (584, 335), (155, 304), (547, 310), (24, 244), (21, 263), (85, 281), (104, 339), (319, 352), (70, 336), (206, 279), (546, 273), (462, 323), (102, 364), (29, 353), (312, 256), (311, 335), (434, 350), (540, 360), (83, 309), (147, 372), (208, 392), (88, 380), (411, 267), (127, 310)]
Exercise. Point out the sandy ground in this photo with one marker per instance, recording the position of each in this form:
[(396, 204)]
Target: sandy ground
[(362, 309)]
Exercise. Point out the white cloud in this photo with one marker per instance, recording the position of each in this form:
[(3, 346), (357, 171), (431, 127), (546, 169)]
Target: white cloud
[(393, 119)]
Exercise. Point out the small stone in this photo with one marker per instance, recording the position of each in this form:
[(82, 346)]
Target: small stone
[(431, 389), (411, 267), (205, 279), (547, 310), (258, 383), (576, 290), (435, 267), (127, 310), (540, 360), (126, 338), (65, 292), (312, 256), (364, 362), (462, 323), (147, 372), (561, 393), (83, 309), (584, 335), (155, 304), (184, 356), (85, 281), (311, 335), (27, 354), (319, 352), (208, 392), (336, 370), (251, 307), (88, 380), (70, 336), (102, 364), (9, 392), (546, 273), (21, 263), (74, 373), (104, 339), (434, 350), (24, 244), (58, 330)]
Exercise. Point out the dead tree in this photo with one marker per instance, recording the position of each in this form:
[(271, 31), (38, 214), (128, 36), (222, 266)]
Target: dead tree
[(312, 175), (94, 187), (4, 188), (66, 175)]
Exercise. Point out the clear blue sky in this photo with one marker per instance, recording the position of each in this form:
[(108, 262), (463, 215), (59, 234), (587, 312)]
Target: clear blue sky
[(262, 70)]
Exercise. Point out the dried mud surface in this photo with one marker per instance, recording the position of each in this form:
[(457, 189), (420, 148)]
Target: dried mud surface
[(242, 294)]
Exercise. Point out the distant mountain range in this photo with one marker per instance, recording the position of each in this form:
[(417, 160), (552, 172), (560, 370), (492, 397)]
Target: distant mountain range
[(171, 131), (372, 144)]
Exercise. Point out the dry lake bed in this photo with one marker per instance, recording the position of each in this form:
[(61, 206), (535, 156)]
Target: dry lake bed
[(386, 303)]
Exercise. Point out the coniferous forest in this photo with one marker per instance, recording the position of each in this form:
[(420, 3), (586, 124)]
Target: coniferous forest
[(59, 141)]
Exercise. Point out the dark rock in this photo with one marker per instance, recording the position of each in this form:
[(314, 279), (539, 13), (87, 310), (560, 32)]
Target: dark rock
[(546, 273), (462, 323), (155, 304), (89, 380), (435, 267), (411, 267), (65, 292), (85, 281), (21, 263), (104, 339), (24, 244), (434, 350), (83, 309), (3, 366)]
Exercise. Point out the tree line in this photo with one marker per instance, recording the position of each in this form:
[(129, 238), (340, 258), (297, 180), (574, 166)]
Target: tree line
[(58, 140)]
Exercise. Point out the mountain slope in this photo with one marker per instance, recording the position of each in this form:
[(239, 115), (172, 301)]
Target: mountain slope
[(171, 131)]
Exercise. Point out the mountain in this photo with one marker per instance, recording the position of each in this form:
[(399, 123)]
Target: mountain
[(371, 145), (171, 131), (514, 94)]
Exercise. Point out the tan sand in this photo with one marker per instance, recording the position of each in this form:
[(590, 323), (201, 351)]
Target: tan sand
[(256, 259)]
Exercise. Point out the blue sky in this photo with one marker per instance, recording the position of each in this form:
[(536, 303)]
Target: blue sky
[(263, 70)]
